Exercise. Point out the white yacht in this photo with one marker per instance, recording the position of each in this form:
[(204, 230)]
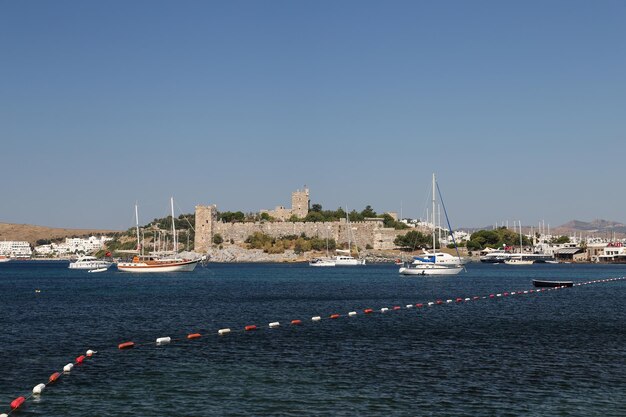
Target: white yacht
[(347, 260), (89, 262)]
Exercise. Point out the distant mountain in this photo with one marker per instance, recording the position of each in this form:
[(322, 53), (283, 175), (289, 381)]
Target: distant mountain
[(597, 226), (32, 233)]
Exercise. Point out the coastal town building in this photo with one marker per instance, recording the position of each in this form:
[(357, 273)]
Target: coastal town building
[(15, 248), (73, 246)]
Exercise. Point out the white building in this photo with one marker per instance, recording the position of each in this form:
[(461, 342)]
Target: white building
[(74, 245), (15, 248)]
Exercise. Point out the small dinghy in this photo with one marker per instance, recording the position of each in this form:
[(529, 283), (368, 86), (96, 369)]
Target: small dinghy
[(98, 270), (541, 283)]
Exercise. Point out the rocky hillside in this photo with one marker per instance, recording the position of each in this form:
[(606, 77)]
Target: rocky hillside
[(32, 233), (598, 226)]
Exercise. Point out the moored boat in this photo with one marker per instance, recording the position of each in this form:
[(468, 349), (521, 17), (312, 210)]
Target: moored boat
[(146, 264), (542, 283), (322, 262), (430, 265), (89, 262)]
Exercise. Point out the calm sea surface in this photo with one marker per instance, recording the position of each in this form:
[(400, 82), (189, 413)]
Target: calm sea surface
[(555, 353)]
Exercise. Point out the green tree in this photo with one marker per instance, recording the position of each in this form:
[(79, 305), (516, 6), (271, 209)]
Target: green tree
[(412, 240), (368, 212), (316, 208)]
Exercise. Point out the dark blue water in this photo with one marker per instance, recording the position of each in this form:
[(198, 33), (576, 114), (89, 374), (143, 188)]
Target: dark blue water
[(555, 353)]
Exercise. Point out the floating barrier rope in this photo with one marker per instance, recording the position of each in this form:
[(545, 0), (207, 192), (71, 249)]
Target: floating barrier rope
[(164, 340)]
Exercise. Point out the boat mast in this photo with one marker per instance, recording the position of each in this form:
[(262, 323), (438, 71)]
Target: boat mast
[(137, 227), (433, 215), (173, 227)]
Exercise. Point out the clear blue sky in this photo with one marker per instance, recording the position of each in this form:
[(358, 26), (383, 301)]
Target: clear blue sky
[(519, 107)]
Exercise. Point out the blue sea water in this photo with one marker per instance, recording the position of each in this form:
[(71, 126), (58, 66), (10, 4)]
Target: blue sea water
[(555, 353)]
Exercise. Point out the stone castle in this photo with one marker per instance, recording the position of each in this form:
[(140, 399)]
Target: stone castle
[(369, 232)]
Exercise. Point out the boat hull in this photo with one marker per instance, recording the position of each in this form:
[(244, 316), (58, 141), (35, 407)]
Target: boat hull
[(541, 283), (430, 270), (157, 266)]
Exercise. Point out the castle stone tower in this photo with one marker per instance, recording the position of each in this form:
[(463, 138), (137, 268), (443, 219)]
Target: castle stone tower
[(206, 217), (300, 202)]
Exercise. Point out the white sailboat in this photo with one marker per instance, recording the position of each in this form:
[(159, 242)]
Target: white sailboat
[(322, 262), (344, 256), (147, 264), (430, 265), (519, 260)]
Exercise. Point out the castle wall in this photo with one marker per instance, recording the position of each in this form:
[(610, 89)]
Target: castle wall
[(370, 231)]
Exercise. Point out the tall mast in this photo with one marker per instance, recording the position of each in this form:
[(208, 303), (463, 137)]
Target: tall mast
[(137, 227), (433, 214), (173, 227)]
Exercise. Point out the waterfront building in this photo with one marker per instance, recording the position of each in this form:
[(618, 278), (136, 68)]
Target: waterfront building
[(15, 249)]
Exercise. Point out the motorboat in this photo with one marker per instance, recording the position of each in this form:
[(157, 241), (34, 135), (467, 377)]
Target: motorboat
[(89, 262), (441, 258), (4, 258), (347, 260)]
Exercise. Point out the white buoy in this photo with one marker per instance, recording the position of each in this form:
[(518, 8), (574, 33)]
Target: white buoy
[(223, 331), (4, 415), (90, 353), (163, 340), (316, 318), (352, 313), (384, 309), (430, 304), (274, 324), (409, 306), (68, 367), (448, 301), (38, 388), (467, 299), (498, 295)]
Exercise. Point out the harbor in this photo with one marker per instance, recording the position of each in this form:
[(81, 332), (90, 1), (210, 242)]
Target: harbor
[(484, 352)]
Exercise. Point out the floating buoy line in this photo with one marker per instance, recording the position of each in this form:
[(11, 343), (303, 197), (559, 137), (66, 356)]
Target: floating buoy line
[(164, 340)]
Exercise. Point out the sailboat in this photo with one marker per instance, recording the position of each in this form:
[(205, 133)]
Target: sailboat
[(146, 264), (519, 260), (429, 265), (327, 261), (344, 256)]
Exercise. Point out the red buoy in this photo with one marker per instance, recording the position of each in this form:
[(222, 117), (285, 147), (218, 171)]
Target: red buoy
[(334, 316), (54, 377), (193, 335), (491, 296), (505, 294), (420, 305), (250, 327), (80, 359), (368, 310), (459, 300), (439, 302), (296, 322), (16, 403), (397, 307), (475, 298), (126, 345)]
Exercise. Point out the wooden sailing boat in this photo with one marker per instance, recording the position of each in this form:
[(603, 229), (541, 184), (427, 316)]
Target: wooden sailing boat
[(146, 264)]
